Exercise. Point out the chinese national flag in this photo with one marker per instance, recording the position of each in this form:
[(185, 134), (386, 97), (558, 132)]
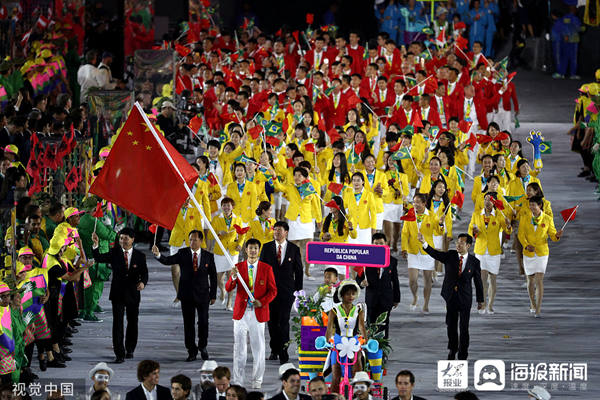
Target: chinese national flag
[(569, 214), (139, 177), (498, 203), (254, 132), (483, 139), (472, 141), (273, 141), (98, 211), (335, 187), (310, 147), (409, 216), (332, 204), (352, 100), (458, 199)]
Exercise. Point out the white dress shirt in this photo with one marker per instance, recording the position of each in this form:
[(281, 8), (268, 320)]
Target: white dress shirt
[(283, 249), (128, 253), (150, 395)]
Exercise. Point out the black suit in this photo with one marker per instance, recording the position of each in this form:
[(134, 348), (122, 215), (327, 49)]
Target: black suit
[(281, 396), (124, 294), (196, 290), (288, 278), (458, 293), (210, 394), (382, 292), (413, 398), (162, 393)]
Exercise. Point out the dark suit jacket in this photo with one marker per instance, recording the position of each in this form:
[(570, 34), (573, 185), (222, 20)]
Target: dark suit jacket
[(461, 285), (413, 398), (162, 393), (124, 280), (209, 394), (194, 286), (288, 275), (384, 290), (281, 396)]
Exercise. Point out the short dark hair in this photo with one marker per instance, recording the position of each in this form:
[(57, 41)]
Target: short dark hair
[(184, 381), (145, 368), (539, 200), (197, 232), (55, 208), (317, 379), (221, 372), (332, 270), (252, 241), (282, 224), (214, 143), (347, 288), (286, 375), (378, 236), (466, 395), (405, 372), (128, 232), (468, 238)]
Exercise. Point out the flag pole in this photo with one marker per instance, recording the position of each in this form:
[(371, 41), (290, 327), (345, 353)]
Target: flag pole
[(192, 197), (463, 171), (568, 219)]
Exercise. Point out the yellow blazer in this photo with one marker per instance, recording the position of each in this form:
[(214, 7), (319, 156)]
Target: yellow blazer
[(364, 211), (477, 187), (516, 187), (246, 202), (488, 237), (411, 229), (262, 232), (379, 178), (537, 238), (226, 160), (446, 229), (184, 224), (479, 202), (523, 210), (230, 239), (335, 237), (307, 208), (400, 183)]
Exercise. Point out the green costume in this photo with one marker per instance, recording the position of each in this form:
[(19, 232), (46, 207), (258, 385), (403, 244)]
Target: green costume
[(18, 330), (99, 272)]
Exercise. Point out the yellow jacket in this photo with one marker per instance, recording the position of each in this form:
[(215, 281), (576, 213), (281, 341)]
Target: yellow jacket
[(307, 208), (400, 183), (523, 209), (411, 229), (537, 238), (516, 186), (335, 237), (488, 237), (478, 186), (261, 231), (446, 229), (364, 211), (230, 239), (245, 202), (378, 178), (184, 224)]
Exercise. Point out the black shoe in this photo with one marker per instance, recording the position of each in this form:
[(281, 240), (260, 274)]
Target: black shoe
[(66, 342), (452, 355), (273, 357), (191, 357), (65, 350), (119, 360), (73, 330), (75, 323), (43, 364), (283, 357), (204, 354), (592, 178), (56, 364), (129, 355), (584, 173), (65, 357)]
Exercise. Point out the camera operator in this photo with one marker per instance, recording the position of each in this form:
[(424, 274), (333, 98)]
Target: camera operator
[(167, 124)]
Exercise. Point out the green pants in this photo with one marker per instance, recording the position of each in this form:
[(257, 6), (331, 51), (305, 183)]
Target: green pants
[(91, 297)]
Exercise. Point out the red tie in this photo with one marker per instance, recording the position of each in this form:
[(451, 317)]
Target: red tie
[(460, 261), (126, 260), (195, 261), (279, 254)]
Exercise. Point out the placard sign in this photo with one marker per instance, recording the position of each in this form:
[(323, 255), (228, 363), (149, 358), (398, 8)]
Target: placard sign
[(359, 255)]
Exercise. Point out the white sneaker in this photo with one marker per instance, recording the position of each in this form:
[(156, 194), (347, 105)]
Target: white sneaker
[(413, 307), (481, 312), (532, 310)]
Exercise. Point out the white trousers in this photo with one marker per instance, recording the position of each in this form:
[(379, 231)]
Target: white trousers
[(472, 160), (503, 119), (248, 327)]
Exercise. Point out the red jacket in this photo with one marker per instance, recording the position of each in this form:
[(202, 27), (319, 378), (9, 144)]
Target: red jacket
[(432, 116), (509, 94), (265, 290), (480, 110)]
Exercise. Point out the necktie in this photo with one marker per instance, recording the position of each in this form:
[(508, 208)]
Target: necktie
[(251, 276), (126, 259), (279, 254), (460, 262), (195, 261)]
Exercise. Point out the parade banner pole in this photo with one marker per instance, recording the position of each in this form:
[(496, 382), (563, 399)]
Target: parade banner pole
[(193, 198)]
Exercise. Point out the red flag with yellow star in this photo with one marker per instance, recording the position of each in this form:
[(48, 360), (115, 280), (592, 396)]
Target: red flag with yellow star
[(139, 176)]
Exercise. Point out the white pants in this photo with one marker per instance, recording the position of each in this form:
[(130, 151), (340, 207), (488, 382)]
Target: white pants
[(248, 327), (503, 119), (472, 160)]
